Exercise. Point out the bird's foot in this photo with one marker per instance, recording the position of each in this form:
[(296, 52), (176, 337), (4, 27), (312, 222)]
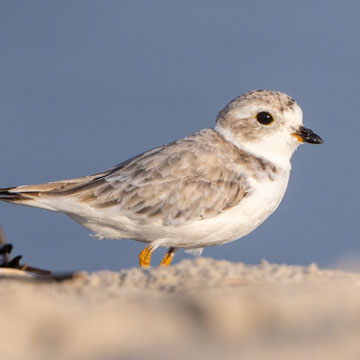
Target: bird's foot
[(166, 261), (145, 257)]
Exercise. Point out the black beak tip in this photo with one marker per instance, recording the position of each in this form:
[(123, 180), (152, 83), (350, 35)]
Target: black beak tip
[(316, 139), (309, 136)]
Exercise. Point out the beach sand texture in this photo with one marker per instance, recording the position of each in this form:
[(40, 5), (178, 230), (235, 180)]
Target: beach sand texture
[(201, 308)]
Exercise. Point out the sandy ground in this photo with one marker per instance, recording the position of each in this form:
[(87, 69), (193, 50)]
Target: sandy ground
[(203, 309)]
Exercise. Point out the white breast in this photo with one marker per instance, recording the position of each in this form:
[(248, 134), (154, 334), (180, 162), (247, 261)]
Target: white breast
[(228, 226), (262, 200), (233, 223)]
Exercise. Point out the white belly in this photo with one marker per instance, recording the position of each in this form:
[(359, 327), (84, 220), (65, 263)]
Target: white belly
[(234, 223), (228, 226)]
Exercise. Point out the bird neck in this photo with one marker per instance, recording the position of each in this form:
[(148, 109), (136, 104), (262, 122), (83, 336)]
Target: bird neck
[(262, 150)]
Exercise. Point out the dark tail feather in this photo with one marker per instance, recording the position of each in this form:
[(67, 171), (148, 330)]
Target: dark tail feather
[(24, 193), (13, 196)]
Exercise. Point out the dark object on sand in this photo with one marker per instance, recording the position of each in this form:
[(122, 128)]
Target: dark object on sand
[(6, 262)]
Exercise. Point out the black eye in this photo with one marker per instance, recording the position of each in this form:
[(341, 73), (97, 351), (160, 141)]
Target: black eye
[(264, 118)]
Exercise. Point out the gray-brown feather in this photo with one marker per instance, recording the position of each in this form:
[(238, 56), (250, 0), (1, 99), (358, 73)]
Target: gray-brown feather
[(186, 180)]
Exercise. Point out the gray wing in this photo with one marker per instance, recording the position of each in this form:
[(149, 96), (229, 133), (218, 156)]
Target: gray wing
[(185, 180)]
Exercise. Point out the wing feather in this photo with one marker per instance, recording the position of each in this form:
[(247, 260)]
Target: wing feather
[(186, 180)]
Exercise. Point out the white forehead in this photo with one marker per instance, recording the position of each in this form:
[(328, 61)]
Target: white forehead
[(294, 116)]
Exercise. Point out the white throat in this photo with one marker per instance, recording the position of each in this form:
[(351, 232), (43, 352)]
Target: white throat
[(259, 149)]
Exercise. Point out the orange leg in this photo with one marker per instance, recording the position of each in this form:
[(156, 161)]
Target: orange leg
[(145, 257), (166, 261)]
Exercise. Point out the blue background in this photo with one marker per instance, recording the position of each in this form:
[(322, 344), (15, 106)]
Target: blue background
[(87, 84)]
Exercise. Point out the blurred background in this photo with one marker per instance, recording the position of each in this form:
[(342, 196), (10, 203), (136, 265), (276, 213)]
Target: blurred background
[(87, 84)]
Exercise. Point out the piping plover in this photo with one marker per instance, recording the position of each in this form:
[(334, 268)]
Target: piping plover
[(209, 188)]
